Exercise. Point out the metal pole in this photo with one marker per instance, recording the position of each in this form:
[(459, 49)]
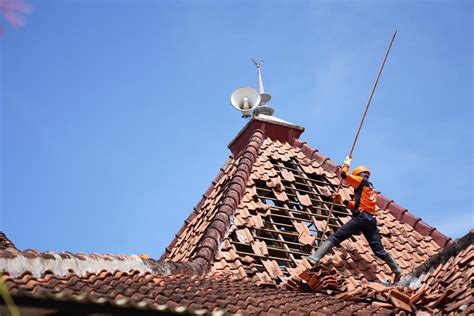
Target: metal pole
[(360, 127)]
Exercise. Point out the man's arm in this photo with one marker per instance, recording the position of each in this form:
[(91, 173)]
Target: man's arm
[(338, 199), (353, 181)]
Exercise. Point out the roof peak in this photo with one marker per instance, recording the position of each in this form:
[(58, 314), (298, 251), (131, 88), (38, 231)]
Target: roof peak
[(271, 126)]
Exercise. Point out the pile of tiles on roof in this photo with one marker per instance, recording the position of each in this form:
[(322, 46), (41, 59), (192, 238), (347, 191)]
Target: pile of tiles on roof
[(431, 297), (326, 280), (319, 279)]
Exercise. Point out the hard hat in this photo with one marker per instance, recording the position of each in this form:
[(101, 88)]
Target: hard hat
[(360, 169)]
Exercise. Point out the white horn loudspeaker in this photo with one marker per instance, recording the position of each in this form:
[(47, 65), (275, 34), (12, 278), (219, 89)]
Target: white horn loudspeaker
[(245, 99)]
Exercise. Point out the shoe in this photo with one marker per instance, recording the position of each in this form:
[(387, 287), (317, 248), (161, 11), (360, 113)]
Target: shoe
[(390, 261), (316, 256), (397, 277)]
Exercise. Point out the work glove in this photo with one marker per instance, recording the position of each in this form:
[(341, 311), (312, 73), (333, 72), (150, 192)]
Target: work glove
[(337, 198), (347, 161)]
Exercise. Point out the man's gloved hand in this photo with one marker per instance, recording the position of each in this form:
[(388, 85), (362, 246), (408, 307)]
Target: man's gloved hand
[(347, 161), (337, 198)]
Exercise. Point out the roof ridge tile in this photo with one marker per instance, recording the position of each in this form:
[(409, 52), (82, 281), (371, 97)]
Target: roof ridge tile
[(205, 253), (404, 216), (195, 210)]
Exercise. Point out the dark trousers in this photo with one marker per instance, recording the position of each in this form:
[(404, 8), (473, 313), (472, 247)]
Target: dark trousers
[(365, 223)]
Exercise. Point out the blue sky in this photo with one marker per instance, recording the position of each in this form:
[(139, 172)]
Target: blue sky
[(115, 115)]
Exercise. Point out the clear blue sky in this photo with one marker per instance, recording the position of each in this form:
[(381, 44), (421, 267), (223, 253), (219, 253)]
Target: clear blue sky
[(115, 115)]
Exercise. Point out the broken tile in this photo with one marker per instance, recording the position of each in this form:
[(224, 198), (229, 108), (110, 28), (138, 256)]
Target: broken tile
[(288, 175), (304, 199), (260, 248)]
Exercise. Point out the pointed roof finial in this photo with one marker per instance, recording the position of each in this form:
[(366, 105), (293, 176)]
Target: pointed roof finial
[(265, 97)]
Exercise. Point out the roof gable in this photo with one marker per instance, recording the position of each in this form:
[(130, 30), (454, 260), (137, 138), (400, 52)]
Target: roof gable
[(283, 213), (269, 205)]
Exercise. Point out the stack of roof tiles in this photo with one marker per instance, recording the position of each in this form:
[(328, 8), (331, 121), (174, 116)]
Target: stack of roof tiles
[(243, 248)]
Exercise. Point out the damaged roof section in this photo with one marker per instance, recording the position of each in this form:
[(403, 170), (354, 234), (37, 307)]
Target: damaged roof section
[(282, 210), (445, 283), (282, 215), (441, 285)]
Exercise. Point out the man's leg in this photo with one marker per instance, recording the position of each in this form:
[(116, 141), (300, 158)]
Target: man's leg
[(350, 228), (371, 233)]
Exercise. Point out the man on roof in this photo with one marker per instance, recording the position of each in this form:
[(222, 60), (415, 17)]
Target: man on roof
[(363, 218)]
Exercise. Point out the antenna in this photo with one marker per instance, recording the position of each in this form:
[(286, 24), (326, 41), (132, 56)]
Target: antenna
[(262, 108), (245, 99), (265, 97)]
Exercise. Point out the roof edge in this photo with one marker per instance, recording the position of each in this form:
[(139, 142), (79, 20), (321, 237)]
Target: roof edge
[(383, 202), (43, 303), (231, 198), (16, 263), (404, 216), (312, 153), (196, 208), (443, 256)]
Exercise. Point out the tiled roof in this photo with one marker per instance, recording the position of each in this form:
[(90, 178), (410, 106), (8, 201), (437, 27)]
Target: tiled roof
[(203, 232), (242, 248), (15, 262), (179, 293), (441, 285), (445, 286), (447, 279), (281, 213)]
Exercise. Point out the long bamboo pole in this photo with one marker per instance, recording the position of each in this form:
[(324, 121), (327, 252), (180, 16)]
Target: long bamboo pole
[(360, 127)]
